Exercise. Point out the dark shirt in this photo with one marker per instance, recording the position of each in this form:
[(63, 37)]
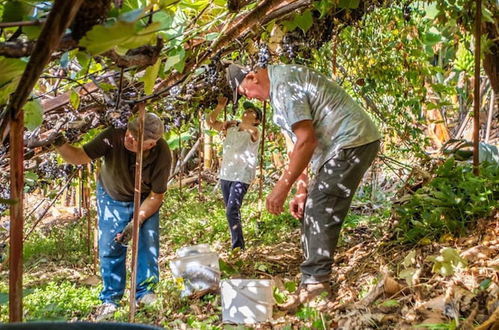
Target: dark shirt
[(117, 174)]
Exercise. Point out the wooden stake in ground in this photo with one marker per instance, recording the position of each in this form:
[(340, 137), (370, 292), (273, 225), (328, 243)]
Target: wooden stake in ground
[(136, 207), (60, 17), (476, 103), (262, 153)]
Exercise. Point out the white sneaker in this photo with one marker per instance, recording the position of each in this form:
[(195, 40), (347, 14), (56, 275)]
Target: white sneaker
[(147, 299), (105, 311)]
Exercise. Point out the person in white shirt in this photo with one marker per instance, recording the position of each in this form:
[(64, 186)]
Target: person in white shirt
[(239, 162)]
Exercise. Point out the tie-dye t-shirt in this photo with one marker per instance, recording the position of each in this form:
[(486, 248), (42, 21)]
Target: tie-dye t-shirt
[(298, 93)]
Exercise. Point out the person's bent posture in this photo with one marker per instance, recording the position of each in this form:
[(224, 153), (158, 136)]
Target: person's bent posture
[(330, 130), (239, 162), (115, 194)]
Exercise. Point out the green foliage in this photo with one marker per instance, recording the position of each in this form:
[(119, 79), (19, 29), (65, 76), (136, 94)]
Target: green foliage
[(11, 70), (60, 301), (123, 34), (33, 115), (447, 262), (454, 199), (150, 77)]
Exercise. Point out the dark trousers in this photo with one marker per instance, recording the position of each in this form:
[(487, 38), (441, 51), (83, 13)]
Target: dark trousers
[(328, 201), (233, 192)]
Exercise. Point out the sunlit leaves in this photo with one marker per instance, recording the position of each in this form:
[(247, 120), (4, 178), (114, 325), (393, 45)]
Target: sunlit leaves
[(74, 99), (33, 115), (304, 21), (176, 59), (447, 262), (464, 60), (15, 11), (150, 77), (125, 34), (11, 70)]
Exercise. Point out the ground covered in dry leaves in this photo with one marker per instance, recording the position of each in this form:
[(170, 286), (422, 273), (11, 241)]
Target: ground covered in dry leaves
[(377, 283)]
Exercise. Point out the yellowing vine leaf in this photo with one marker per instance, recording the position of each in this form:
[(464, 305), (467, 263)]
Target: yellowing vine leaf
[(150, 77), (33, 115), (74, 99), (103, 38)]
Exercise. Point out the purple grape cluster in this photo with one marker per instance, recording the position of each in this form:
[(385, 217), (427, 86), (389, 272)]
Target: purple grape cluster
[(263, 55)]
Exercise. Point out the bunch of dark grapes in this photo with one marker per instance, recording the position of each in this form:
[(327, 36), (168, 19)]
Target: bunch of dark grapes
[(118, 118), (290, 45), (211, 76), (263, 55), (48, 169)]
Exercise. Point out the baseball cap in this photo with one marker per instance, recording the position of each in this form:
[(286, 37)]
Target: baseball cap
[(153, 126), (235, 74)]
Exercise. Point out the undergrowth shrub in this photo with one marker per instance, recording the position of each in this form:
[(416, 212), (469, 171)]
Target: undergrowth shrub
[(449, 203)]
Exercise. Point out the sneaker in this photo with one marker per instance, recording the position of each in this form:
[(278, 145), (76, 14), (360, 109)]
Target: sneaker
[(147, 299), (105, 311), (307, 293)]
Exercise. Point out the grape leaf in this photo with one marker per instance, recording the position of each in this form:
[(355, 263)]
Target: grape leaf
[(150, 77), (33, 115), (103, 38), (11, 70), (74, 99), (304, 21)]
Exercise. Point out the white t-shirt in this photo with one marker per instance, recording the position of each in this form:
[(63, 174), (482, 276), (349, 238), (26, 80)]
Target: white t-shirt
[(298, 93), (240, 156)]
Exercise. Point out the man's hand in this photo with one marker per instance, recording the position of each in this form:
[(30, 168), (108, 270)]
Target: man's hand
[(222, 101), (297, 205), (126, 235), (275, 200)]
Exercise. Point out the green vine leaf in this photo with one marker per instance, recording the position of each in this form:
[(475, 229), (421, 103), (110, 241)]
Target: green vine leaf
[(14, 11), (33, 115), (11, 70), (304, 21), (74, 99), (349, 4), (103, 38), (150, 77)]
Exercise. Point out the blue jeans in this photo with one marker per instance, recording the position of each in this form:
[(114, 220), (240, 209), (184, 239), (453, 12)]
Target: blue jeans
[(234, 192), (113, 217)]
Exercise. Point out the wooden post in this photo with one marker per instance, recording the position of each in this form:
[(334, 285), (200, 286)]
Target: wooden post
[(16, 215), (136, 207), (96, 218), (489, 116), (180, 161), (262, 153), (476, 103), (201, 146), (60, 17)]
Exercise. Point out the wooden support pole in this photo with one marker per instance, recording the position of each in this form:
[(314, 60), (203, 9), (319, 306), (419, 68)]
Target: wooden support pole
[(16, 215), (96, 218), (262, 153), (60, 17), (476, 103), (490, 114), (201, 146), (136, 207), (180, 160)]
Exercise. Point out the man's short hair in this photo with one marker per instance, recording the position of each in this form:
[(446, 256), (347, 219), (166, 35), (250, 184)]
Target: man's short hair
[(153, 127)]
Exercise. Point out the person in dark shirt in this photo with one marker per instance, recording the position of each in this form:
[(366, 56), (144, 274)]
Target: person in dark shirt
[(115, 194)]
